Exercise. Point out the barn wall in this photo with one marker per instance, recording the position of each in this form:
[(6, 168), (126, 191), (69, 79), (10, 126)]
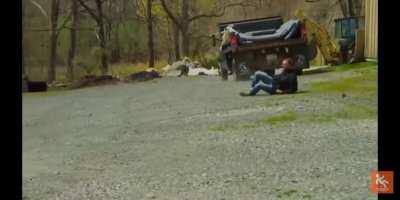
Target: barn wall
[(371, 28)]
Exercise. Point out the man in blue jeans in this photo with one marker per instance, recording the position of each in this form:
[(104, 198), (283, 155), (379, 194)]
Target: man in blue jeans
[(284, 83)]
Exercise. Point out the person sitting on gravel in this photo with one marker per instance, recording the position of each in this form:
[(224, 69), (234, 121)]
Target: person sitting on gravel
[(283, 83)]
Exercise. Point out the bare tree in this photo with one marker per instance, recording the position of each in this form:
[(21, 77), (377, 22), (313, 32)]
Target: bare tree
[(358, 7), (98, 16), (117, 15), (184, 20), (174, 26), (54, 14), (73, 39), (150, 32), (145, 15), (175, 29), (351, 8), (54, 29)]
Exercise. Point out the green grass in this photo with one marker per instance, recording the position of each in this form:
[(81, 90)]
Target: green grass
[(227, 127), (290, 192), (286, 117), (342, 68), (363, 81), (360, 82), (356, 112), (287, 193), (49, 93), (346, 67), (349, 112), (221, 128)]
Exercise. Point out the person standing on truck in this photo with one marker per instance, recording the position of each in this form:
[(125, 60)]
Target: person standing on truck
[(228, 46), (283, 83)]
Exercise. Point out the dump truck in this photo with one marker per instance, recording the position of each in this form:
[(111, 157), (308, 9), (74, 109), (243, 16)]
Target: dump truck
[(338, 49), (261, 44)]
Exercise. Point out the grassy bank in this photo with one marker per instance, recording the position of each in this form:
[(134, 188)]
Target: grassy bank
[(360, 82)]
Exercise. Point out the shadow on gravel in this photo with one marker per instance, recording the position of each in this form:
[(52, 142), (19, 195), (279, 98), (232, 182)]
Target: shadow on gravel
[(302, 92), (266, 94)]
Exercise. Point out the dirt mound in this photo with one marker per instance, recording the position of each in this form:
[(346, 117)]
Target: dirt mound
[(143, 76)]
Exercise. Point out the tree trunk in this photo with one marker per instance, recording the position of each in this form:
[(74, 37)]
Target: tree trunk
[(351, 8), (185, 42), (117, 46), (176, 42), (73, 39), (150, 33), (358, 7), (102, 37), (343, 7), (177, 25), (185, 28), (55, 5)]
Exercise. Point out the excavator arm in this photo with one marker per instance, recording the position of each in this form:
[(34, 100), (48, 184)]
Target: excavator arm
[(318, 35)]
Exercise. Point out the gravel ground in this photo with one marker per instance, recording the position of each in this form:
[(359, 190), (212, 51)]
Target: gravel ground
[(193, 138)]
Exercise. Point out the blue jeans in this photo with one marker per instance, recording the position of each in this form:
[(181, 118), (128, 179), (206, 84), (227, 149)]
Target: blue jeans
[(262, 81)]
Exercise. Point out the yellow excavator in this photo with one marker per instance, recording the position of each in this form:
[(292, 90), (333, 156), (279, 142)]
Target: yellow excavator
[(318, 36), (334, 50)]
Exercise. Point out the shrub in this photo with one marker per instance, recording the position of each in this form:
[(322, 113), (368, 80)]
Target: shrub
[(210, 60)]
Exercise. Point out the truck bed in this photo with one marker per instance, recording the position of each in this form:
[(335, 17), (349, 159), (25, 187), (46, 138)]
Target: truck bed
[(269, 44), (254, 24)]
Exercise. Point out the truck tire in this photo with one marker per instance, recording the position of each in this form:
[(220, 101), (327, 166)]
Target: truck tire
[(301, 56), (301, 63), (299, 72)]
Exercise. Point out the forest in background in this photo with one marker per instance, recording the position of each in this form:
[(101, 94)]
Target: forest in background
[(66, 39)]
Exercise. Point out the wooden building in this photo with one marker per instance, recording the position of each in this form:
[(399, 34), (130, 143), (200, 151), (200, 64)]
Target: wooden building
[(371, 29)]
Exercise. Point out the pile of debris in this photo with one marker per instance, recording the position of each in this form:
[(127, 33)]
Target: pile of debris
[(186, 67), (183, 67)]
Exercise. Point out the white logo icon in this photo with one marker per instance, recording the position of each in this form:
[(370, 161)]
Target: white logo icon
[(380, 180)]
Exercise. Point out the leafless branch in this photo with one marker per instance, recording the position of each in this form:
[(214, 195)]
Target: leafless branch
[(65, 27), (221, 13), (170, 15), (89, 10), (64, 23), (40, 8)]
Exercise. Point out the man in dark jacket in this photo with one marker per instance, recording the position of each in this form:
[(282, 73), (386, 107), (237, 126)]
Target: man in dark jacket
[(284, 83)]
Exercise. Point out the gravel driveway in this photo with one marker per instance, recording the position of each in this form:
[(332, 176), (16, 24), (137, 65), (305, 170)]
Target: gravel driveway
[(195, 138)]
